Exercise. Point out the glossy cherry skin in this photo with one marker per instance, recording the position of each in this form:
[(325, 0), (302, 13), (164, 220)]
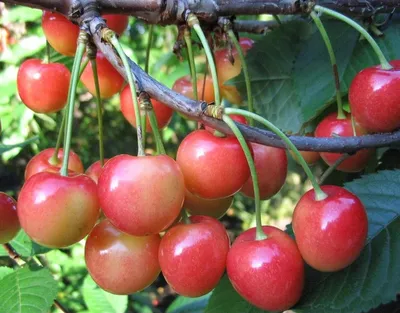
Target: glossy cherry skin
[(61, 33), (116, 22), (163, 113), (268, 273), (209, 207), (141, 195), (331, 125), (330, 233), (184, 86), (271, 167), (120, 263), (41, 162), (94, 170), (110, 80), (213, 167), (43, 87), (9, 223), (374, 98), (193, 256), (57, 211)]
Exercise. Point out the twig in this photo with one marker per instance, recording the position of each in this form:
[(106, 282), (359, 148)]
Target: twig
[(331, 168)]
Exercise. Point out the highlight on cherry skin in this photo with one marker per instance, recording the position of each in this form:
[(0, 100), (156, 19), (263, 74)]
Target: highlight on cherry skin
[(9, 223)]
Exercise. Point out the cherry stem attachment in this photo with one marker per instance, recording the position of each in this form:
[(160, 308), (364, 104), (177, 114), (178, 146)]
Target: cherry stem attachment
[(114, 41), (245, 72), (382, 59), (54, 160), (148, 48), (331, 168), (319, 194), (332, 58), (71, 100), (259, 231), (194, 23), (193, 73)]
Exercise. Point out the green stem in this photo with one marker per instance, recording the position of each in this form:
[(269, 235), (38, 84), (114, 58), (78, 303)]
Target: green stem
[(54, 159), (245, 72), (156, 132), (99, 110), (48, 56), (143, 121), (259, 231), (331, 168), (185, 217), (132, 85), (384, 63), (193, 73), (332, 58), (319, 194), (148, 49), (83, 66), (71, 103), (277, 19)]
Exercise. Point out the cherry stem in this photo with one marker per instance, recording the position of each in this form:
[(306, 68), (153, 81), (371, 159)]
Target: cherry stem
[(148, 49), (259, 231), (48, 56), (319, 194), (71, 100), (384, 63), (277, 19), (332, 58), (156, 132), (54, 160), (185, 217), (331, 168), (193, 73), (193, 22), (114, 41), (99, 106), (245, 72), (83, 66)]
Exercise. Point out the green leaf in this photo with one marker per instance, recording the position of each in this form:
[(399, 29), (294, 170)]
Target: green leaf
[(5, 271), (100, 301), (5, 148), (189, 305), (27, 290), (22, 14), (24, 246)]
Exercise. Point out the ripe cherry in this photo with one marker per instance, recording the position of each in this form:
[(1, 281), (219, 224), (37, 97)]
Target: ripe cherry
[(110, 80), (163, 113), (330, 233), (271, 166), (141, 195), (120, 263), (183, 85), (9, 223), (331, 126), (117, 22), (374, 98), (57, 211), (94, 170), (213, 167), (43, 161), (193, 256), (209, 207), (43, 87), (268, 273)]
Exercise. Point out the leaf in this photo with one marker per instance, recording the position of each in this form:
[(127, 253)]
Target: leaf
[(27, 290), (21, 14), (100, 301), (5, 148), (24, 246), (189, 305), (5, 271)]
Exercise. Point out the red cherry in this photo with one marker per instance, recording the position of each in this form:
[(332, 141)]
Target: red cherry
[(374, 98), (213, 167), (42, 162), (43, 87), (330, 126), (193, 256), (57, 211), (120, 263), (271, 167), (268, 273), (237, 118), (117, 22), (9, 223), (60, 32), (110, 80), (330, 233), (199, 206), (141, 195), (162, 112), (183, 85), (94, 170)]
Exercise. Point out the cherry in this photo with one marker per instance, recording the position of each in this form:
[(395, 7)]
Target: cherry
[(43, 162), (331, 126), (199, 206), (374, 98), (162, 112), (9, 223), (94, 170), (61, 33), (213, 167), (43, 87), (57, 211), (271, 166), (120, 263), (268, 273), (330, 233), (116, 22), (141, 195), (183, 85), (193, 256), (110, 80)]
